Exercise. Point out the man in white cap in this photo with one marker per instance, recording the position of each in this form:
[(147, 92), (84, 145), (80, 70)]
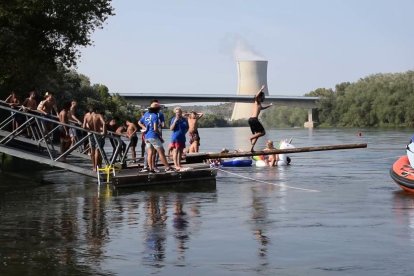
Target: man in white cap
[(153, 139)]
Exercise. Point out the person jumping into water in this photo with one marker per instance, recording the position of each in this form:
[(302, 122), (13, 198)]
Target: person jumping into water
[(254, 123)]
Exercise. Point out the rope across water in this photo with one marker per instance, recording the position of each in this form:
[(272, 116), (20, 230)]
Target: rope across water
[(266, 182)]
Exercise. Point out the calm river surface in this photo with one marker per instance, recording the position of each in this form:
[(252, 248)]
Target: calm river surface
[(357, 223)]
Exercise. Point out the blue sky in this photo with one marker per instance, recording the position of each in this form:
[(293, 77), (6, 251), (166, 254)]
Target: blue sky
[(191, 46)]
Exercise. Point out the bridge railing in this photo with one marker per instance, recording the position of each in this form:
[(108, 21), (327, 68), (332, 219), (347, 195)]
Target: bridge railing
[(19, 125)]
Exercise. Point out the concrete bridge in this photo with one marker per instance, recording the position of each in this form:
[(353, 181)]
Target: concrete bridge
[(144, 99)]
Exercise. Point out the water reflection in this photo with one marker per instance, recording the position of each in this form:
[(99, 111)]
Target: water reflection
[(69, 227), (42, 230), (259, 223), (170, 217), (96, 232), (404, 212), (155, 229), (180, 224)]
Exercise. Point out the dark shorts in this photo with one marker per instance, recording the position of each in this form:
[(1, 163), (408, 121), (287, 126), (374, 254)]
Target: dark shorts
[(255, 125), (133, 141), (92, 142), (194, 136), (62, 134)]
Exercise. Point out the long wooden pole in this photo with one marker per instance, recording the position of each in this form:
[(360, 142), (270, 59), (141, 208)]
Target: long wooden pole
[(200, 157)]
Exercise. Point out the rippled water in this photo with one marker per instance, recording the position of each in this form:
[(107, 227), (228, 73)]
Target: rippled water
[(356, 221)]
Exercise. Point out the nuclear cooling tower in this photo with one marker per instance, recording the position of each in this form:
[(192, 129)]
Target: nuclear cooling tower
[(252, 75)]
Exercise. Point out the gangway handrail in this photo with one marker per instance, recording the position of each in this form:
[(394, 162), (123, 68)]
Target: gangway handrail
[(35, 118), (47, 117)]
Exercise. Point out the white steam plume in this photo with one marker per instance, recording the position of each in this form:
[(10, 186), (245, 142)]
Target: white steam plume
[(240, 49)]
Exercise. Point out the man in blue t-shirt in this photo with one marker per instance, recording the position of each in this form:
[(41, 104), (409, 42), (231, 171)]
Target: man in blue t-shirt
[(179, 126), (161, 120), (153, 140)]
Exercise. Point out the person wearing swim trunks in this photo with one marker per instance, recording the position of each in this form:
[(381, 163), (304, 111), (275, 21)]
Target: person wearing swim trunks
[(179, 127), (13, 102), (194, 139), (30, 102), (133, 139), (96, 123), (255, 126), (46, 107), (72, 117), (192, 119), (64, 130)]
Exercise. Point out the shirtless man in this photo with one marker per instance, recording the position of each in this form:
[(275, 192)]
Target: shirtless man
[(46, 107), (72, 112), (87, 118), (72, 117), (86, 121), (12, 99), (30, 102), (192, 119), (64, 130), (120, 131), (271, 160), (255, 126), (133, 139), (112, 126), (13, 102), (94, 121)]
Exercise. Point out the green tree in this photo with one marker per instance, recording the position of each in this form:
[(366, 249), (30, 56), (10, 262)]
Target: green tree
[(376, 100), (36, 36)]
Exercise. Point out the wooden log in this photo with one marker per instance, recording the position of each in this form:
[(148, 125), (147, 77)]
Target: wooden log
[(200, 157)]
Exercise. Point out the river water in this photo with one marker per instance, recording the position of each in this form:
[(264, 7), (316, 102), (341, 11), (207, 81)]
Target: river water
[(348, 219)]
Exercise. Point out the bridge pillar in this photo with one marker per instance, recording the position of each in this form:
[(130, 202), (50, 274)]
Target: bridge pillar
[(310, 123)]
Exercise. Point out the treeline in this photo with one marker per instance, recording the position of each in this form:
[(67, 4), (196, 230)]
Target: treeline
[(68, 85), (380, 100), (283, 116), (39, 48), (214, 115)]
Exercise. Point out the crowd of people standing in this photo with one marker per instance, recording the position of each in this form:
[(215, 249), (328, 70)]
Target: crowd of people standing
[(149, 127)]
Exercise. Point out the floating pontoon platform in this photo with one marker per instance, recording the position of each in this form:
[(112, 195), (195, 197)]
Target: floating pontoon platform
[(194, 174)]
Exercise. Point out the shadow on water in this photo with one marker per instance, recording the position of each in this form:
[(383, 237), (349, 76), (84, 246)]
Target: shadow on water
[(18, 174), (200, 186), (48, 229)]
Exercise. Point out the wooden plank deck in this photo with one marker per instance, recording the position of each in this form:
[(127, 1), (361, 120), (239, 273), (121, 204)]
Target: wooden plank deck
[(197, 174)]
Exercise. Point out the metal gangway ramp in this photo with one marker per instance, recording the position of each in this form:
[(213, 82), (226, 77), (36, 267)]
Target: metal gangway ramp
[(36, 138)]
